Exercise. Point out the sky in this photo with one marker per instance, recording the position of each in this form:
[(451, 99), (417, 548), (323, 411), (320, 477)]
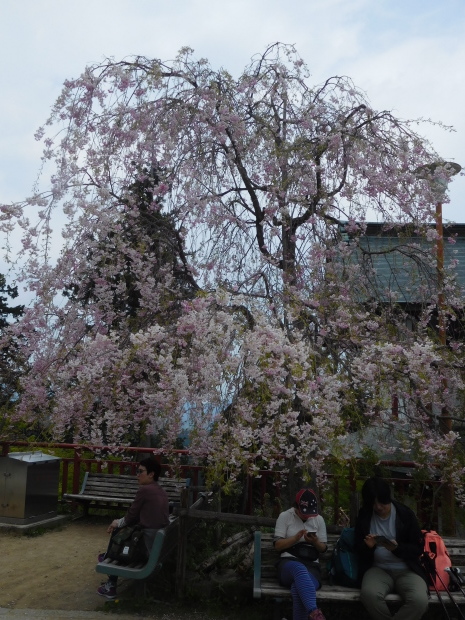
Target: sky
[(407, 55)]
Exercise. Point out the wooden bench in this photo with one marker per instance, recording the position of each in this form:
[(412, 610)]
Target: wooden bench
[(265, 581), (111, 491), (165, 542)]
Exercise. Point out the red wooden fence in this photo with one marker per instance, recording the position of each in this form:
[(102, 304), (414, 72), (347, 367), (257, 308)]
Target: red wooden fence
[(259, 491)]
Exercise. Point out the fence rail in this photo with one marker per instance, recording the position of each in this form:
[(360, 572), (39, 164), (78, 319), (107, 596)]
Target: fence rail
[(101, 459), (339, 498)]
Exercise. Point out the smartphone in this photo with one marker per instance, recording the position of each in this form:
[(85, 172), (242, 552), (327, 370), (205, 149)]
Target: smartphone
[(382, 539)]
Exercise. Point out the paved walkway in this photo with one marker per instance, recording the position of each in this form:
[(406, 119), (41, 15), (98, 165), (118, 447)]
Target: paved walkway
[(47, 614)]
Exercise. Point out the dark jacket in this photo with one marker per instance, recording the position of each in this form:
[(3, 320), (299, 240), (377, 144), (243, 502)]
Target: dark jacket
[(150, 507), (408, 537)]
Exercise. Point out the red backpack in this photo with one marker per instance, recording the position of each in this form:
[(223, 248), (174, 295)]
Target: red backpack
[(435, 558)]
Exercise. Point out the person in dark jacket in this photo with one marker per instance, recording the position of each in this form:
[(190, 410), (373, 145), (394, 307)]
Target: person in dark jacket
[(150, 509), (389, 543)]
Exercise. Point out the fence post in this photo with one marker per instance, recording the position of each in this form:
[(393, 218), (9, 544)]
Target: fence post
[(182, 544), (64, 477), (353, 497), (336, 513), (76, 470)]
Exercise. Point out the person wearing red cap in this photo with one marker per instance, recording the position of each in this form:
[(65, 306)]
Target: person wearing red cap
[(300, 536)]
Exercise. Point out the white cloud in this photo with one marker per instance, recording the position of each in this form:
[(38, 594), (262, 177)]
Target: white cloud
[(407, 56)]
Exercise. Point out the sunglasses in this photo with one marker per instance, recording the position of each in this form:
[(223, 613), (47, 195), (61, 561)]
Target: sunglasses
[(141, 471)]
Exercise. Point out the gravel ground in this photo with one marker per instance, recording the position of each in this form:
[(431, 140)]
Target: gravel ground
[(53, 570), (52, 575)]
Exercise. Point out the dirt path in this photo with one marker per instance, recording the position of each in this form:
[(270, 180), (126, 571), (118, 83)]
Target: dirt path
[(55, 570)]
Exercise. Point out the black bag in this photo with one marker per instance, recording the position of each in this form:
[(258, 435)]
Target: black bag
[(127, 545), (304, 551)]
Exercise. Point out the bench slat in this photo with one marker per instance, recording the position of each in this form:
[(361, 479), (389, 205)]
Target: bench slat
[(118, 490), (101, 499)]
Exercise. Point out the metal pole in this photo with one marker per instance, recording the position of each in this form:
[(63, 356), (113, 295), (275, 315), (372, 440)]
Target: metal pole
[(439, 186)]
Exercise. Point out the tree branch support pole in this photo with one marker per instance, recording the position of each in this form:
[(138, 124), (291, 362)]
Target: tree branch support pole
[(445, 422)]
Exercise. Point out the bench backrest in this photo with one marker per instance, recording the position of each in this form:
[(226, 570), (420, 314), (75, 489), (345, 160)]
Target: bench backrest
[(269, 555), (164, 543), (125, 487)]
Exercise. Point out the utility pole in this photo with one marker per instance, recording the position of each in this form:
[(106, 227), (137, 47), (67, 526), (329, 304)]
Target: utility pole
[(439, 186)]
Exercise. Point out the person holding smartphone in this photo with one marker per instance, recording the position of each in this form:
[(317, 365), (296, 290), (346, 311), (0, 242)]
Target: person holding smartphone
[(300, 537), (389, 543)]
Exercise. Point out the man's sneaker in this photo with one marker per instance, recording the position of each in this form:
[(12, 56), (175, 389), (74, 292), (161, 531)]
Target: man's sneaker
[(316, 614), (108, 590)]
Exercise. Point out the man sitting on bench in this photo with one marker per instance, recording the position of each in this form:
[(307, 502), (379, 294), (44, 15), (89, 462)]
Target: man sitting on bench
[(389, 543), (150, 509)]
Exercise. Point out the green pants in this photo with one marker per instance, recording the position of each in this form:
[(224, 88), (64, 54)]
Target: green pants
[(377, 583)]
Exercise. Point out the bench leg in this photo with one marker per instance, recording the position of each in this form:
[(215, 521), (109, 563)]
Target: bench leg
[(282, 609), (140, 589)]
